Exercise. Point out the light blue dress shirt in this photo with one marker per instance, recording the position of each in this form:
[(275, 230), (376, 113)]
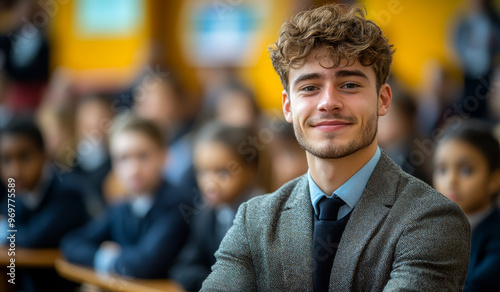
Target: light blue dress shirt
[(351, 191)]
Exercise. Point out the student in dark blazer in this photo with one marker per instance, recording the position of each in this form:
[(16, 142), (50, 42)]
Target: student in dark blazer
[(140, 236), (226, 179), (93, 163), (467, 170), (355, 221), (47, 204)]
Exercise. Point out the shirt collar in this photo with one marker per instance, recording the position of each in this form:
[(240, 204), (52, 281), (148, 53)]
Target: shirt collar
[(33, 199), (352, 190), (141, 205)]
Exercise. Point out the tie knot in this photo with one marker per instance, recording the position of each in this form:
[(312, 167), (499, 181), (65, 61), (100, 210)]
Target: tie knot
[(328, 208)]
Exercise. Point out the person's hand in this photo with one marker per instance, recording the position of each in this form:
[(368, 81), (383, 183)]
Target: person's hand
[(111, 246), (105, 257)]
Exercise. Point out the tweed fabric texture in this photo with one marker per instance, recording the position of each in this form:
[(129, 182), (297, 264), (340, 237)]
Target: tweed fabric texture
[(401, 236)]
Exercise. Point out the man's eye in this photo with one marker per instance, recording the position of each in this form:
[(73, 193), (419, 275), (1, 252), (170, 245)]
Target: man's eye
[(350, 85), (309, 88)]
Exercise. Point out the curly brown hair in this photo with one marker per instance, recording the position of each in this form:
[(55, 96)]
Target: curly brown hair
[(343, 31)]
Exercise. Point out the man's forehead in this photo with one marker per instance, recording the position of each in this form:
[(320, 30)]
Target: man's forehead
[(323, 63)]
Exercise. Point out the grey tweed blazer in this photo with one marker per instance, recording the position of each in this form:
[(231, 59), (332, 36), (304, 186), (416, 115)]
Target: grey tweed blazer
[(402, 236)]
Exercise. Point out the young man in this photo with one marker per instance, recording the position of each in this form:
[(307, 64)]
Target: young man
[(355, 221)]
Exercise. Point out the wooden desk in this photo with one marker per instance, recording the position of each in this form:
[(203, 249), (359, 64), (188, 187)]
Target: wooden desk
[(115, 283), (26, 257)]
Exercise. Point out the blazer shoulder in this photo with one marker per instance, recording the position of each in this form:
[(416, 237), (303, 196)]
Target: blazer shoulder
[(276, 200), (419, 192), (411, 195)]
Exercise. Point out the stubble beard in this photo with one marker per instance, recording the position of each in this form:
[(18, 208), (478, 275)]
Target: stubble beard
[(333, 151)]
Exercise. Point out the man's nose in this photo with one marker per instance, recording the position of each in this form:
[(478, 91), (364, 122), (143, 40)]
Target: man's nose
[(330, 100)]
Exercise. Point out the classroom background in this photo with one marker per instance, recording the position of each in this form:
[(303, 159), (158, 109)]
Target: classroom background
[(75, 65)]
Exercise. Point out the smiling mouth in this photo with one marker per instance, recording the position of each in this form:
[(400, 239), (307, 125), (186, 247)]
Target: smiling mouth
[(330, 126)]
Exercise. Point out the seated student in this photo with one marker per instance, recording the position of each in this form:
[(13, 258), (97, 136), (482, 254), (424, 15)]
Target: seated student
[(226, 178), (164, 101), (467, 170), (47, 205), (92, 120), (236, 106), (138, 237), (288, 159)]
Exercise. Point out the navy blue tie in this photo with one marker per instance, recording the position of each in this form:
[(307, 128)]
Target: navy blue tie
[(327, 234)]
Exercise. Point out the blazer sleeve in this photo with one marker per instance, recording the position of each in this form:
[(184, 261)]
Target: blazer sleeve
[(233, 270), (61, 214), (154, 253), (485, 276), (80, 245), (433, 251)]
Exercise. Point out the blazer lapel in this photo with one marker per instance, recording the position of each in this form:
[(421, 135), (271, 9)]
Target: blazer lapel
[(371, 210), (295, 236)]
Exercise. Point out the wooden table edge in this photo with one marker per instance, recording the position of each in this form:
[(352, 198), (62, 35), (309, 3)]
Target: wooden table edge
[(113, 283)]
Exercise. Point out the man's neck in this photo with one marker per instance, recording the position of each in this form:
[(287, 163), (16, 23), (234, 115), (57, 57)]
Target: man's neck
[(330, 174)]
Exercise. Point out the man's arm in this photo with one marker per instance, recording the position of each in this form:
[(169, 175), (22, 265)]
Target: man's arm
[(233, 270), (433, 252)]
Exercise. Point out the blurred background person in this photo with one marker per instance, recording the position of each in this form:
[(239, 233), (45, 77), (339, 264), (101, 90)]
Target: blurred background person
[(227, 177), (236, 106), (162, 100), (46, 205), (494, 102), (140, 236), (467, 171), (397, 134), (477, 41), (288, 159), (93, 163), (24, 57)]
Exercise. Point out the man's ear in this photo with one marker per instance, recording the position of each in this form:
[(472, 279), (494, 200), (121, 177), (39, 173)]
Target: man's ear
[(287, 110), (384, 99)]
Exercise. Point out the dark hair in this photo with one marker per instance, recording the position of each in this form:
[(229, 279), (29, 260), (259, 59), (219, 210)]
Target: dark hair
[(20, 126), (234, 138), (169, 79), (246, 92), (133, 123), (478, 134)]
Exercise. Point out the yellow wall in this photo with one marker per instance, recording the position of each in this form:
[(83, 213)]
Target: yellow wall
[(263, 77), (420, 30), (101, 62)]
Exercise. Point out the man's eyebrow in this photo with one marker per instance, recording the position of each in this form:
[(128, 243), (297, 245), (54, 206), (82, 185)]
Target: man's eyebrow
[(309, 76), (349, 73)]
